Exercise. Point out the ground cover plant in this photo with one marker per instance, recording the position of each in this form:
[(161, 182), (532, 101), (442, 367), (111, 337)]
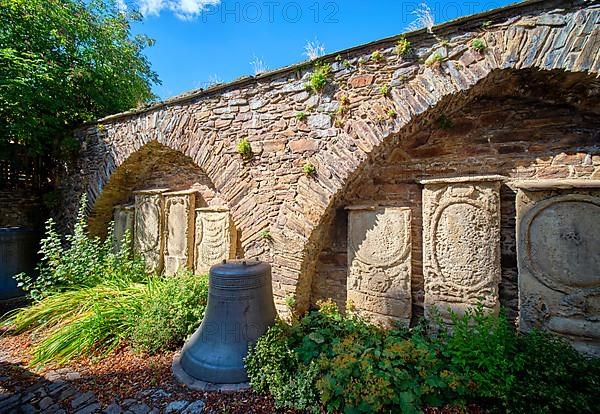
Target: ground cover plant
[(340, 363)]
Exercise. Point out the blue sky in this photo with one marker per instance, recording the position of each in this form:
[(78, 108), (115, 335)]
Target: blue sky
[(202, 41)]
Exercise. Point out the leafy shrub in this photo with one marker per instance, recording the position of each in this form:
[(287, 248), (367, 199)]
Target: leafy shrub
[(403, 47), (85, 262), (351, 366), (171, 311), (478, 45), (244, 148)]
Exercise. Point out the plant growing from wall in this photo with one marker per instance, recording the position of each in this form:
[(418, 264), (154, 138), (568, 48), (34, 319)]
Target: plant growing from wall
[(444, 122), (384, 90), (403, 47), (309, 169), (434, 60), (392, 113), (244, 148), (266, 235), (300, 116), (319, 78), (478, 45), (376, 56)]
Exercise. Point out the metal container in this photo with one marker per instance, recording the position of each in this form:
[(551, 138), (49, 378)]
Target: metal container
[(240, 308), (18, 253)]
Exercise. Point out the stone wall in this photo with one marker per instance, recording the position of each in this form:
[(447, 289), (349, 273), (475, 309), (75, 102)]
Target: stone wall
[(21, 208), (372, 103), (525, 136)]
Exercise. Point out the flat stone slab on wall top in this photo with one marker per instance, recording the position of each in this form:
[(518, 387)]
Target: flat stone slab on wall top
[(461, 243), (379, 262), (179, 230), (546, 185), (558, 255)]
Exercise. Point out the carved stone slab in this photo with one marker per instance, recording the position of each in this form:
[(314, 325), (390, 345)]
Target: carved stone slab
[(461, 243), (379, 263), (216, 238), (123, 221), (179, 230), (148, 240), (558, 254)]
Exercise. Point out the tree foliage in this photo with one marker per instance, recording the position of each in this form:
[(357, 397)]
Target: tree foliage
[(64, 62)]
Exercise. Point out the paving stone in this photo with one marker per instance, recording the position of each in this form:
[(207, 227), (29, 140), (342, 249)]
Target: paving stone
[(139, 408), (81, 399), (113, 408), (72, 376), (45, 403), (127, 402), (160, 394), (92, 408), (54, 409), (197, 407), (9, 403), (27, 409), (57, 387), (176, 406), (66, 393)]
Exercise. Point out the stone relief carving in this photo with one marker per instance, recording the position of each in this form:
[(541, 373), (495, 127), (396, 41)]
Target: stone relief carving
[(216, 238), (558, 253), (379, 263), (179, 231), (148, 240), (123, 220), (461, 243)]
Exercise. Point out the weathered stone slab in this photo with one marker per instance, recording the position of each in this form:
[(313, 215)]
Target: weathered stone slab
[(123, 222), (148, 240), (379, 263), (179, 231), (461, 243), (558, 254), (216, 238)]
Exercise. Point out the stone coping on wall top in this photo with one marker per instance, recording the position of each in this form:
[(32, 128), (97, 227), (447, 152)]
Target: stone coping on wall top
[(464, 179), (363, 207), (555, 184), (181, 192), (151, 191), (214, 209)]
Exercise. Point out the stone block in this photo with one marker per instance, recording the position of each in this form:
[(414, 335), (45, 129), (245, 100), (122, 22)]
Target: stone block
[(123, 218), (148, 232), (461, 243), (379, 263), (179, 231), (216, 238), (558, 255)]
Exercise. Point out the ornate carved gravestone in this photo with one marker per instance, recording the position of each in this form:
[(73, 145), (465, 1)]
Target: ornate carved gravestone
[(216, 238), (558, 252), (461, 243), (148, 240), (179, 230), (123, 220), (379, 263)]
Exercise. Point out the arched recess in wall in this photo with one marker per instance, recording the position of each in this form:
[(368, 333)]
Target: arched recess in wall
[(517, 123), (152, 166)]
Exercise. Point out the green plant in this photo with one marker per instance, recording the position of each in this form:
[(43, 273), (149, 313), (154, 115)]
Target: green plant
[(309, 169), (478, 45), (301, 116), (384, 90), (346, 64), (403, 47), (63, 63), (244, 148), (392, 113), (84, 262), (444, 122), (172, 309), (319, 77), (434, 60), (376, 56), (486, 24), (344, 100), (266, 235)]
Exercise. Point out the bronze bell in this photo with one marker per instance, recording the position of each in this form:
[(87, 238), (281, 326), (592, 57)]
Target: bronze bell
[(240, 308)]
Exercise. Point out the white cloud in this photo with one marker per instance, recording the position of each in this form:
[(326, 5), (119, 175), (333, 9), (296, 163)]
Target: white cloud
[(121, 5), (182, 9)]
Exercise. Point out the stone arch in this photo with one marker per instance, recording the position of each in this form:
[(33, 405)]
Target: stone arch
[(547, 43)]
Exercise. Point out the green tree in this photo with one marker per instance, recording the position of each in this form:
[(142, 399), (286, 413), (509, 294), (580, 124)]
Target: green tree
[(64, 62)]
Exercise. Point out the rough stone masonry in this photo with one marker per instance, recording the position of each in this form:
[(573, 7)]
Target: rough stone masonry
[(419, 160)]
